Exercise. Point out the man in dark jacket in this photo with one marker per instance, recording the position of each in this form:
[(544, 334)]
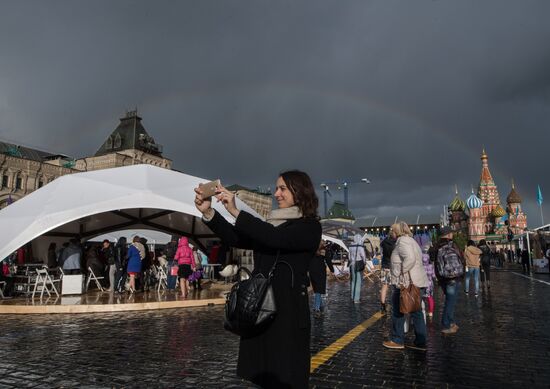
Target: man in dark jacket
[(525, 262), (318, 276), (387, 245), (109, 255), (485, 264), (121, 261)]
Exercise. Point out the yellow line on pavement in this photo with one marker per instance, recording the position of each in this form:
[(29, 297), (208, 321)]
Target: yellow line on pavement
[(327, 353)]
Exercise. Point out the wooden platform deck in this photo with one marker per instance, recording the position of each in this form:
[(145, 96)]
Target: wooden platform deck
[(97, 301)]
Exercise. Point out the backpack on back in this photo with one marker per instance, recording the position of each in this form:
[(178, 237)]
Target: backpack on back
[(449, 263)]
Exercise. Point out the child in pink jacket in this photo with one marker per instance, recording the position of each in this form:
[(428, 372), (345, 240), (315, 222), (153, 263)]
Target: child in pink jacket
[(430, 272)]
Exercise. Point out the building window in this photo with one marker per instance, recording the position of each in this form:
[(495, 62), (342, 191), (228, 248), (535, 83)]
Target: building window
[(118, 141), (109, 143), (40, 184), (4, 181), (18, 183)]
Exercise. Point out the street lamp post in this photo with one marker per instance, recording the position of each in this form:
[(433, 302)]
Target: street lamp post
[(340, 184)]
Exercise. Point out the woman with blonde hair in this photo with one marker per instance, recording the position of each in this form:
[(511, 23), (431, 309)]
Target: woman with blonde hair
[(406, 268)]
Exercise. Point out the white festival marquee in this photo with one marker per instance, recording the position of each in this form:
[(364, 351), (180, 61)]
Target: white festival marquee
[(98, 202)]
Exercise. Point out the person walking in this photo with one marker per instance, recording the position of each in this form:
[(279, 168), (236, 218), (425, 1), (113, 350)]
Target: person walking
[(170, 252), (472, 256), (109, 255), (430, 273), (279, 356), (318, 276), (186, 264), (121, 262), (197, 274), (449, 256), (406, 268), (146, 263), (356, 253), (485, 262), (525, 262), (387, 245), (136, 253)]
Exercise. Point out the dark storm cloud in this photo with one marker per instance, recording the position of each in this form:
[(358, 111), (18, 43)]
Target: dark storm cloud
[(404, 93)]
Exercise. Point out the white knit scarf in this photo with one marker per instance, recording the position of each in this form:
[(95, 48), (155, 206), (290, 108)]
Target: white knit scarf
[(279, 216)]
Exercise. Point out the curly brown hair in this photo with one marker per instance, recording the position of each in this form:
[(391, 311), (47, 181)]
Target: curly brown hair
[(302, 190)]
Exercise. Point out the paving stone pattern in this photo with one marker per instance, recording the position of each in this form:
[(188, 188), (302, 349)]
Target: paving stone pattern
[(503, 341)]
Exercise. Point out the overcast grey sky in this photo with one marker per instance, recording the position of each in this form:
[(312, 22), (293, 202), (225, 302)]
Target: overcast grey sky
[(405, 93)]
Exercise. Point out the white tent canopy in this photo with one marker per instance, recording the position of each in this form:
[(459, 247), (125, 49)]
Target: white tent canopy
[(98, 202)]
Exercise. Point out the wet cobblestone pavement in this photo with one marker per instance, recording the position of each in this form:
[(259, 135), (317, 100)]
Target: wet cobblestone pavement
[(503, 341)]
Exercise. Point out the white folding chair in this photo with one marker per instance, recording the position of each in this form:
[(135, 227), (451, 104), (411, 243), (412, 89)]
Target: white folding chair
[(162, 277), (92, 276), (229, 272), (370, 271), (44, 282)]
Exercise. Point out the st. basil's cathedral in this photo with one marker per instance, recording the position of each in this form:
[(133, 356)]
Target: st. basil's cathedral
[(482, 214)]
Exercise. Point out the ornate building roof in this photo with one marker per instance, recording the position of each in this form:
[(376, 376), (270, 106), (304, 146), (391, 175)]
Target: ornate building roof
[(474, 202), (498, 212), (130, 134), (513, 197), (339, 211), (486, 177), (27, 153), (457, 204)]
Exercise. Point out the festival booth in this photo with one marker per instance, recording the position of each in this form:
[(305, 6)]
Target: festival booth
[(541, 244), (536, 242), (89, 204)]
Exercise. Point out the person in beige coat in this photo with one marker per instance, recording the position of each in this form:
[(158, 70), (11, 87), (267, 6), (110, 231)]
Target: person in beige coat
[(406, 267), (472, 255)]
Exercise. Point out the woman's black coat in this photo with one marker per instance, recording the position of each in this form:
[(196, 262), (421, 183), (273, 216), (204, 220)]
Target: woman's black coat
[(279, 357)]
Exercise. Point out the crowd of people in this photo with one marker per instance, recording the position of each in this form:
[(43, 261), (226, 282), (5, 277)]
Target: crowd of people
[(122, 266)]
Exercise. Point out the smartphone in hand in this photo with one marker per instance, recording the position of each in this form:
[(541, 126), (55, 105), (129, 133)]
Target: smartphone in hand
[(209, 189)]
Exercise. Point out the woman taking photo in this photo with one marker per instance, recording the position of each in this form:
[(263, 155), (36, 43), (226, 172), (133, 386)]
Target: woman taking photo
[(278, 357), (406, 267)]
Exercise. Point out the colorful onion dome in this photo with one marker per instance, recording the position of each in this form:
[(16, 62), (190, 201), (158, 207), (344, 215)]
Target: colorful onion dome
[(474, 202), (457, 204), (498, 212), (513, 197)]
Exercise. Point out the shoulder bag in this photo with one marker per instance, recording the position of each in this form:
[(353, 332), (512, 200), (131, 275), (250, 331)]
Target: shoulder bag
[(250, 305), (359, 264), (410, 299)]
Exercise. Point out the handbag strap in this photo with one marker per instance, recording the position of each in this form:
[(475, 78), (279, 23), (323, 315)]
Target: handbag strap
[(402, 276), (277, 262)]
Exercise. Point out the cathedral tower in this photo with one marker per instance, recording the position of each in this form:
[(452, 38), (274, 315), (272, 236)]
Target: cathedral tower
[(488, 194), (518, 220), (476, 223)]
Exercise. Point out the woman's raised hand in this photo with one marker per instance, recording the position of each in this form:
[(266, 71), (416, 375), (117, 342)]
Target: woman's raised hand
[(227, 198)]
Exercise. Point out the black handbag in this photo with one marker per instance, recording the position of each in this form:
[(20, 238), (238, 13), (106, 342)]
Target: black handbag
[(359, 264), (250, 305)]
